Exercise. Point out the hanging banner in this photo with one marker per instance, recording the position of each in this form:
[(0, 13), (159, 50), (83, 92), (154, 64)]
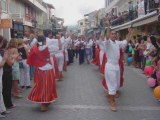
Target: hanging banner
[(6, 23), (141, 10)]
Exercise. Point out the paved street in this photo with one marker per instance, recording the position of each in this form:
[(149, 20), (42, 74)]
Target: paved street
[(81, 97)]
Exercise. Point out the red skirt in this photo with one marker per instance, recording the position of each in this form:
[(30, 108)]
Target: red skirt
[(44, 90), (96, 60), (102, 68), (56, 71), (65, 62)]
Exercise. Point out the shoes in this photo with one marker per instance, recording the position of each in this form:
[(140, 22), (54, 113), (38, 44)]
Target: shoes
[(2, 116), (13, 106), (5, 112), (112, 103), (117, 94), (22, 87), (113, 107), (18, 96), (28, 87), (43, 107)]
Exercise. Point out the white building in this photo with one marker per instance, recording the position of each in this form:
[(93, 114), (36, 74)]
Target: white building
[(82, 26), (4, 19), (25, 14)]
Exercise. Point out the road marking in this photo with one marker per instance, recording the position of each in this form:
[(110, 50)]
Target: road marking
[(94, 107), (151, 119)]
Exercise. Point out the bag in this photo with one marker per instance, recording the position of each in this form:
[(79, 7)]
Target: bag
[(140, 52), (88, 51), (21, 65)]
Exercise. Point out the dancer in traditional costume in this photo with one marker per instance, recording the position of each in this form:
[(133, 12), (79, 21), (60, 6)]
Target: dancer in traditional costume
[(54, 60), (121, 65), (44, 90), (112, 68), (96, 60)]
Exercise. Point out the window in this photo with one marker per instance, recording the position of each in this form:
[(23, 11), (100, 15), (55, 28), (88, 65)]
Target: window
[(30, 13), (4, 5), (81, 23), (110, 1)]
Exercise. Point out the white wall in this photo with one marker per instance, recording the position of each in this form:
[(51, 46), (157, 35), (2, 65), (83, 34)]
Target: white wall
[(17, 7), (5, 32)]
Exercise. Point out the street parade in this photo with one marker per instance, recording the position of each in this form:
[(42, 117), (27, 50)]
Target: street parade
[(57, 63)]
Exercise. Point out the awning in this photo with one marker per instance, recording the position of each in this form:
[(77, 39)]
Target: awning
[(145, 21), (89, 31), (123, 26)]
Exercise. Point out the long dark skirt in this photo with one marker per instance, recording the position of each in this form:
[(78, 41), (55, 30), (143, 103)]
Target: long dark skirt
[(7, 85), (81, 56)]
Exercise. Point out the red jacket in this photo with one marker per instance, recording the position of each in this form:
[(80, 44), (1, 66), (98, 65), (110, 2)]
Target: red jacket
[(38, 58)]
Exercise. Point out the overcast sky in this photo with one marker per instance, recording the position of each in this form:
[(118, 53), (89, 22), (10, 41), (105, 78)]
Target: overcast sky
[(73, 10)]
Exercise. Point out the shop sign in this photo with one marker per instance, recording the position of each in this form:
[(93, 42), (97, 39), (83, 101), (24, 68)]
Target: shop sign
[(6, 23)]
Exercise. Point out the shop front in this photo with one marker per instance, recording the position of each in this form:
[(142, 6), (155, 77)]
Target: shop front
[(18, 30)]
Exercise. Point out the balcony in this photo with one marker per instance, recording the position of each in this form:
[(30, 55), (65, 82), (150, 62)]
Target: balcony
[(16, 17), (130, 16), (37, 4)]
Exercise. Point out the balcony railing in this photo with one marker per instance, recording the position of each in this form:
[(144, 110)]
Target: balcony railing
[(127, 16)]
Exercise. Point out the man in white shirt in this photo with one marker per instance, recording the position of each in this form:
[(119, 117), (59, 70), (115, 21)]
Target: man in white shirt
[(112, 69), (88, 49), (80, 46)]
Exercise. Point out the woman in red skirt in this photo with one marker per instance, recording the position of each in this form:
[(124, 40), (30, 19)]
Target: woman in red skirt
[(44, 90)]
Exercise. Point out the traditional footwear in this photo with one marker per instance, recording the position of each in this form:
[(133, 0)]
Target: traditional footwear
[(107, 94), (2, 116), (112, 103), (113, 107), (117, 94), (13, 106), (5, 112), (43, 108), (28, 87), (18, 96)]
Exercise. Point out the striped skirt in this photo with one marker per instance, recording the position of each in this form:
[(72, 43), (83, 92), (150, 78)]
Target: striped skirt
[(44, 90)]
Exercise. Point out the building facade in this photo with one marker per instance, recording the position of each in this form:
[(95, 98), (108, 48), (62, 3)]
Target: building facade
[(25, 16), (5, 21), (81, 26), (140, 14)]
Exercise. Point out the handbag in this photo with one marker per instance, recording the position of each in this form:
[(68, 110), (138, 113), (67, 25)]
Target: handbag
[(21, 66)]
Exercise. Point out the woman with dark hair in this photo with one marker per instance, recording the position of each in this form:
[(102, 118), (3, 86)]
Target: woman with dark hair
[(3, 59), (149, 50), (156, 45), (136, 50), (7, 77), (44, 90), (23, 51), (142, 48)]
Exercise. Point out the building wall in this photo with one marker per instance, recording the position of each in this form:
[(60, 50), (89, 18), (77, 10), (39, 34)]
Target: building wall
[(81, 26), (5, 15), (111, 4), (17, 7), (123, 5)]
